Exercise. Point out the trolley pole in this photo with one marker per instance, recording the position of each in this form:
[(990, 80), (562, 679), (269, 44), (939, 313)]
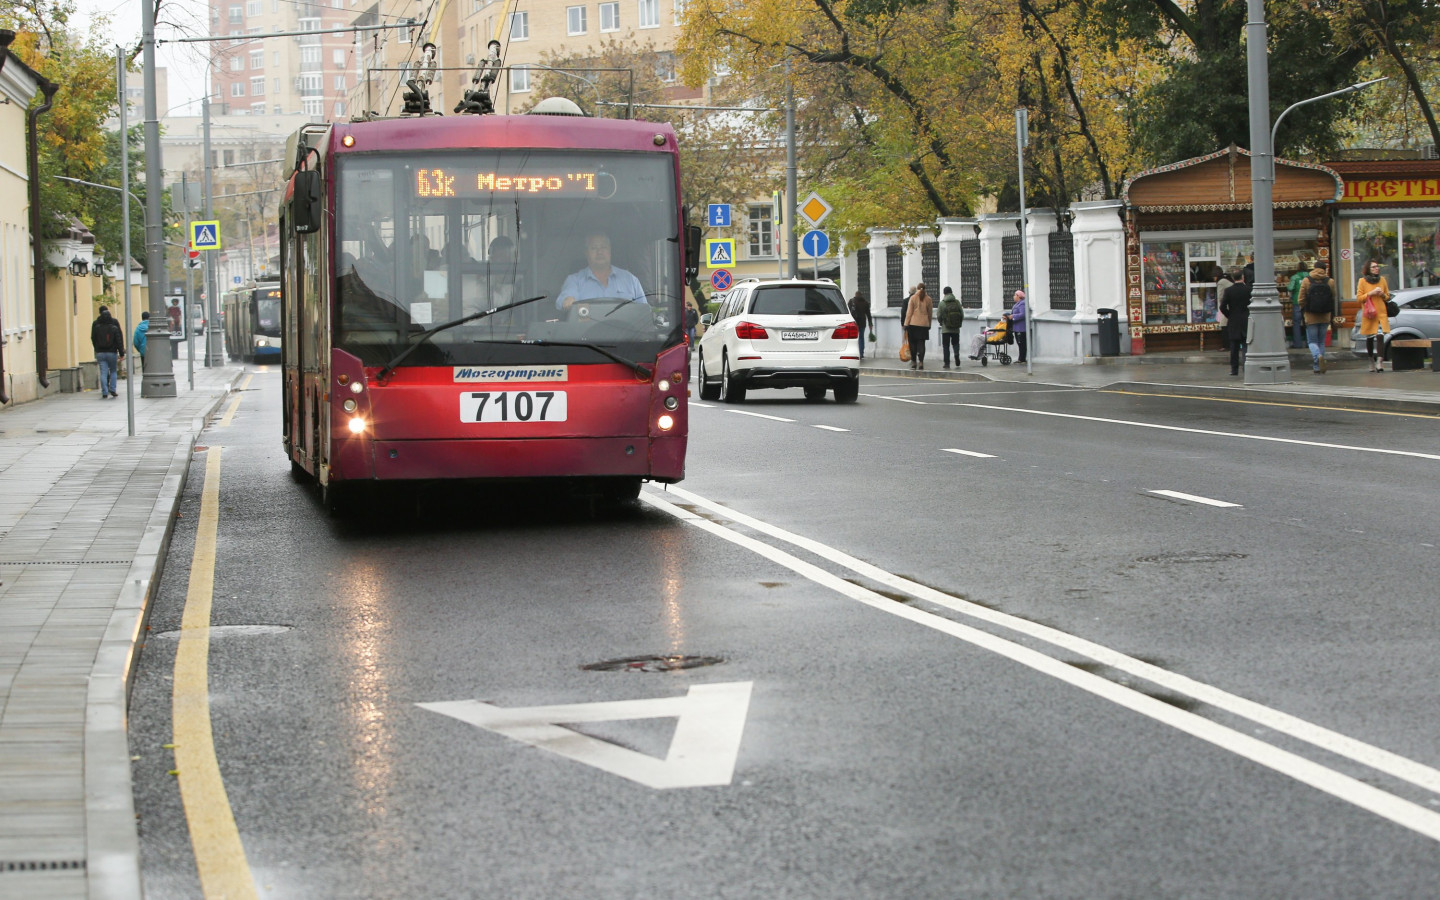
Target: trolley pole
[(213, 336), (1266, 360), (159, 377)]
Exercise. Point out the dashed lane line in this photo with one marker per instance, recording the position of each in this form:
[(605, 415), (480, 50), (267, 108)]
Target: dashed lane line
[(1192, 498), (969, 453), (742, 412), (829, 428)]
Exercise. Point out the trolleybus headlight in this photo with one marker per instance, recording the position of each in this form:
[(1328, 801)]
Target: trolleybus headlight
[(663, 385), (357, 425), (671, 403), (665, 422), (348, 140), (349, 405)]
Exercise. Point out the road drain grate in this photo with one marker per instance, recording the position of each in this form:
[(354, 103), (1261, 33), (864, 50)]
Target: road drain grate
[(41, 865), (1191, 557), (672, 663), (65, 562)]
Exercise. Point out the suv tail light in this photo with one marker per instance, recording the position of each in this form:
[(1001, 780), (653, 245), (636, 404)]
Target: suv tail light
[(749, 331), (847, 332)]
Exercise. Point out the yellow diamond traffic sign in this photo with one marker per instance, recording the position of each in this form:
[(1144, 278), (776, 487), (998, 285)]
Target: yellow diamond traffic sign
[(815, 209)]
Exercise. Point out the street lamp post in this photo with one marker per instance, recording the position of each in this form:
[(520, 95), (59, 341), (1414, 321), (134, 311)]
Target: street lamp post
[(159, 375)]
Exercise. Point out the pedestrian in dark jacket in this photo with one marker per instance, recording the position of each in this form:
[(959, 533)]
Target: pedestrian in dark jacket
[(860, 312), (951, 316), (1236, 307), (109, 342)]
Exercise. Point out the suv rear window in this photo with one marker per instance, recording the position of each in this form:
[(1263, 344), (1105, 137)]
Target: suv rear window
[(798, 300)]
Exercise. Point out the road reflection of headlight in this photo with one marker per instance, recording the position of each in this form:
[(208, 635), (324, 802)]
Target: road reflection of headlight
[(357, 425), (665, 422)]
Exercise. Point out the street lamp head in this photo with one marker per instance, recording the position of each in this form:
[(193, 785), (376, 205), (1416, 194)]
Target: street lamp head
[(79, 267)]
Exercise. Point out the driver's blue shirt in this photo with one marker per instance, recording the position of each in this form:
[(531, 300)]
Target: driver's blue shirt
[(583, 285)]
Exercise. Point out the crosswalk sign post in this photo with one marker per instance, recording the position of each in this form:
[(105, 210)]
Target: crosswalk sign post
[(205, 235), (719, 253)]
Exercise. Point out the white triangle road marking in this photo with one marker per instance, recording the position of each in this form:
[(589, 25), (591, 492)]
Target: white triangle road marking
[(711, 720)]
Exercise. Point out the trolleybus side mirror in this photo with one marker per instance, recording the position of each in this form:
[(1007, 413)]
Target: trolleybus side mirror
[(307, 202), (692, 250)]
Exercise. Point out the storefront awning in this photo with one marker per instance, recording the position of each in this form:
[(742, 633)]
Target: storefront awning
[(1221, 182)]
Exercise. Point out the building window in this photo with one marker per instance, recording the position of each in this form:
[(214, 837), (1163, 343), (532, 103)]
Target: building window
[(275, 58), (679, 12), (610, 16), (237, 64), (405, 35), (520, 26), (649, 13), (313, 106), (309, 57), (253, 8), (575, 20), (762, 230), (339, 109), (257, 59), (339, 82), (310, 24), (1407, 250), (311, 85), (229, 158), (258, 108), (278, 110), (276, 86), (237, 89), (665, 65), (237, 15), (338, 57), (519, 80), (257, 86)]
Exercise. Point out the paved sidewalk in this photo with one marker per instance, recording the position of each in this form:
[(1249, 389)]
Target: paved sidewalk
[(1347, 384), (85, 517)]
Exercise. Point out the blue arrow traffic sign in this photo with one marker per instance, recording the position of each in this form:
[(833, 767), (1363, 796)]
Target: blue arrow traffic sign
[(718, 215), (816, 243)]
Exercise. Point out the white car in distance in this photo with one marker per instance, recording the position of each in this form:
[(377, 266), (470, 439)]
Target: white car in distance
[(781, 334)]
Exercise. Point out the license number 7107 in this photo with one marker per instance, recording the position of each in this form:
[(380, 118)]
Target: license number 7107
[(512, 406)]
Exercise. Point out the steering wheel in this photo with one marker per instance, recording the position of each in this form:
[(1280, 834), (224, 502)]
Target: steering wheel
[(595, 310)]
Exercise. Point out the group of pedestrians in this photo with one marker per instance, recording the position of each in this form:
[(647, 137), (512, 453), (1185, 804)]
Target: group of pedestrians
[(108, 341), (922, 313)]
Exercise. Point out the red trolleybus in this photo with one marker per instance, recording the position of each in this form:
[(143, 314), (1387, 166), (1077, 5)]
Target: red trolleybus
[(485, 297)]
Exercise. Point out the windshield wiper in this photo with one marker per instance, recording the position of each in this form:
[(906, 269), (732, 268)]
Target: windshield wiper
[(424, 336), (638, 368)]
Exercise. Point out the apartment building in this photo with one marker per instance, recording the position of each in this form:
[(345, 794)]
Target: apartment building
[(296, 74)]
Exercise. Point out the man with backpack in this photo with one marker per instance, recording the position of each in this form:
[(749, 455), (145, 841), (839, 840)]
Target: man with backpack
[(109, 343), (1317, 299), (952, 316)]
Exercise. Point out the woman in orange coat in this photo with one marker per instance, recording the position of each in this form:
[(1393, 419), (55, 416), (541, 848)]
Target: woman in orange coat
[(918, 316), (1373, 287)]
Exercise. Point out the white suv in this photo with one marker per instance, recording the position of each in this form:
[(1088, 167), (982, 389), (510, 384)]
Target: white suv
[(781, 334)]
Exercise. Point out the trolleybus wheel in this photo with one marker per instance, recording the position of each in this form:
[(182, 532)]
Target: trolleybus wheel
[(298, 473), (620, 490), (338, 499)]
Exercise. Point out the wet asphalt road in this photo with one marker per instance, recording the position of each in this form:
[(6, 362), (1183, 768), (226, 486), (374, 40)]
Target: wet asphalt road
[(882, 755)]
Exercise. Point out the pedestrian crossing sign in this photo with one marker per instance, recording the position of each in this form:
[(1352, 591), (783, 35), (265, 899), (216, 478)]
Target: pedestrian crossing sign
[(719, 253), (205, 235)]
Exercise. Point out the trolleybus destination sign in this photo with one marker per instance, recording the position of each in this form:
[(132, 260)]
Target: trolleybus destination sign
[(472, 183)]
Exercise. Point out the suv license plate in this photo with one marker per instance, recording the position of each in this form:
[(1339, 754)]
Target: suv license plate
[(799, 335), (512, 406)]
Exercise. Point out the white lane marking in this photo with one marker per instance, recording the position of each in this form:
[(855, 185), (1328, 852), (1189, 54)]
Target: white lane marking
[(741, 412), (969, 453), (1230, 434), (985, 393), (702, 405), (1388, 806), (829, 428), (1194, 499), (1369, 755), (710, 722), (897, 399)]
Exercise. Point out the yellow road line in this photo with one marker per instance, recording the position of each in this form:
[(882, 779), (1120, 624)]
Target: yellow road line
[(230, 413), (219, 855), (1368, 412)]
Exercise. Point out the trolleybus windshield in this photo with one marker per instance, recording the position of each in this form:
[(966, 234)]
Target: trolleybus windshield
[(267, 311), (425, 239)]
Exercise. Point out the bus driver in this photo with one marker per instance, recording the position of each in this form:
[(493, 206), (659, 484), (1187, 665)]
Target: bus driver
[(599, 279)]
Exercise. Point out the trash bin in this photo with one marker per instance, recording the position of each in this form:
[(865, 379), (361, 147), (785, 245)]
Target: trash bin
[(1109, 332)]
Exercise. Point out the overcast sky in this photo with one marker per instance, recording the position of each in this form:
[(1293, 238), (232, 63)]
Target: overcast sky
[(185, 63)]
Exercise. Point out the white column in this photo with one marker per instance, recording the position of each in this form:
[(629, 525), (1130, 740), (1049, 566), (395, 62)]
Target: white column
[(952, 232), (1099, 234), (886, 320), (994, 227), (1039, 225)]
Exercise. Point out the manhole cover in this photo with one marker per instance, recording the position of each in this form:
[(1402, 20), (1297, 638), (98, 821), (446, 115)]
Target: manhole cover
[(653, 663), (1191, 557)]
